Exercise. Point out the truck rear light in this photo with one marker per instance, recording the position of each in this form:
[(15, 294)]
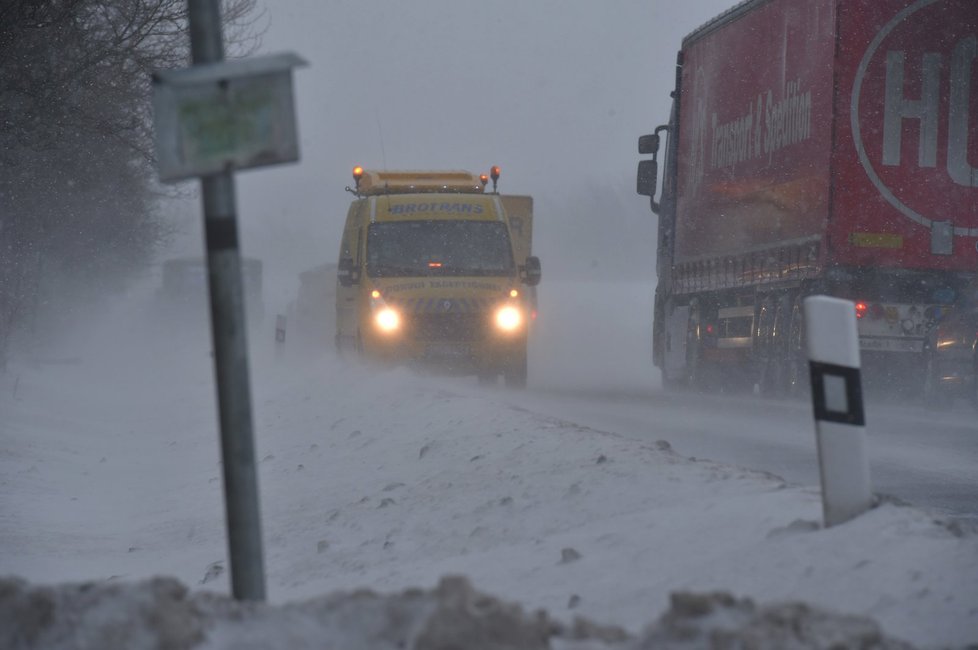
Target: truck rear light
[(861, 309), (876, 311)]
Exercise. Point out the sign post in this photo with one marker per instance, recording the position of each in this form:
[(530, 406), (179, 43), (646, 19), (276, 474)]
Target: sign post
[(833, 353), (211, 119)]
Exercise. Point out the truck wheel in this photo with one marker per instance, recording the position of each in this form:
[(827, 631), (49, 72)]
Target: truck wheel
[(794, 358), (672, 383), (777, 377), (347, 348), (767, 360), (514, 375), (934, 395), (695, 375), (361, 355), (677, 380)]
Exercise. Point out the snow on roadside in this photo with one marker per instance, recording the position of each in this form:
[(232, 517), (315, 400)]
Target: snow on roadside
[(110, 471), (161, 613)]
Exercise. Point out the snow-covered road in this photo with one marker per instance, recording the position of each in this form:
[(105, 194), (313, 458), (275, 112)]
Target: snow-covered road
[(592, 365), (920, 457), (388, 480)]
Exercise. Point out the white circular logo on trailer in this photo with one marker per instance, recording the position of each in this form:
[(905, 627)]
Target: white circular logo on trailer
[(919, 193)]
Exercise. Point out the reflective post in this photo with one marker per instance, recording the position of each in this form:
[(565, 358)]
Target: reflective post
[(840, 421)]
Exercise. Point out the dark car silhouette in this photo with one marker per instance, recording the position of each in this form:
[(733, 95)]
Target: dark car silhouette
[(951, 368)]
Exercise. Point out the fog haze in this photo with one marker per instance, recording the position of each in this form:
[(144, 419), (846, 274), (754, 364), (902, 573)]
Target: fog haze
[(555, 93)]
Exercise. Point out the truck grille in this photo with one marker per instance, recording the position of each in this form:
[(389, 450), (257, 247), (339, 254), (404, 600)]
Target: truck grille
[(448, 327)]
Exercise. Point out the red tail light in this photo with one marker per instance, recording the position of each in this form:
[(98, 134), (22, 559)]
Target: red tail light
[(861, 309)]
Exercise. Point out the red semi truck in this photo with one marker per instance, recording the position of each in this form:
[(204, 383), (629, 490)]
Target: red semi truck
[(815, 146)]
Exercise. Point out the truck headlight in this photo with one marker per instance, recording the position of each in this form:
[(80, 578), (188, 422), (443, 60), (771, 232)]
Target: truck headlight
[(508, 318), (387, 320)]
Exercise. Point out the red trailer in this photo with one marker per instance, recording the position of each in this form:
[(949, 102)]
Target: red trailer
[(815, 146)]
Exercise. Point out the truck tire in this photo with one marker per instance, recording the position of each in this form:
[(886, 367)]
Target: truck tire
[(695, 369), (767, 362), (514, 374), (347, 348), (775, 380), (935, 395), (675, 380), (795, 367)]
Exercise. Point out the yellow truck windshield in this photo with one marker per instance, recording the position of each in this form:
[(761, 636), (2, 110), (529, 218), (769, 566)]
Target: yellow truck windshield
[(438, 248)]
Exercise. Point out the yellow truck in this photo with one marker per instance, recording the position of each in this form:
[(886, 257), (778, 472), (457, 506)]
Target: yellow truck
[(434, 270)]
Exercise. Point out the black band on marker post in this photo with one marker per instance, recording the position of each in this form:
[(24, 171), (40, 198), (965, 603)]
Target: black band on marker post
[(855, 414)]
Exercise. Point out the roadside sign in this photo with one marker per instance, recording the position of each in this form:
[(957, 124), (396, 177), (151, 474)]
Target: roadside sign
[(210, 120), (225, 116)]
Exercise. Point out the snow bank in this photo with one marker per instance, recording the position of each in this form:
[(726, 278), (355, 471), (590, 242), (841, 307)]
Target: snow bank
[(162, 613)]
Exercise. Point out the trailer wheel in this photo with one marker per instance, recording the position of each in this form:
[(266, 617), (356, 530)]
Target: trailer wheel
[(695, 370), (935, 397), (794, 366), (767, 362), (778, 362)]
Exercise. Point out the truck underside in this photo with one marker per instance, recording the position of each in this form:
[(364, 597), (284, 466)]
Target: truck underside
[(737, 321)]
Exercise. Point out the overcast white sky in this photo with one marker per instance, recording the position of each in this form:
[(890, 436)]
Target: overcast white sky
[(554, 92)]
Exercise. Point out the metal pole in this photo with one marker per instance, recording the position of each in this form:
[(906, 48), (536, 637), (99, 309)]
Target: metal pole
[(230, 343)]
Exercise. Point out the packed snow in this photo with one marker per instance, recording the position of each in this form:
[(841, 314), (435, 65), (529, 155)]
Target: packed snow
[(392, 481)]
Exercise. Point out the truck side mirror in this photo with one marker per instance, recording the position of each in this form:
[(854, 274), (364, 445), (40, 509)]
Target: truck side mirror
[(648, 144), (531, 271), (648, 172), (346, 272)]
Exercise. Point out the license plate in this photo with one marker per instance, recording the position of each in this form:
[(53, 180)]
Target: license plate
[(891, 344), (448, 350)]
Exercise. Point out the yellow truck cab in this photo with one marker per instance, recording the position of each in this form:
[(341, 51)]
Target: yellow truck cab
[(434, 270)]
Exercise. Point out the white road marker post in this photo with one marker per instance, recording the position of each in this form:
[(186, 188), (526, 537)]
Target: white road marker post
[(837, 399)]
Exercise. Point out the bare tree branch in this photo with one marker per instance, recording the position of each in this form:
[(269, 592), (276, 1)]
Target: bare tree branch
[(77, 195)]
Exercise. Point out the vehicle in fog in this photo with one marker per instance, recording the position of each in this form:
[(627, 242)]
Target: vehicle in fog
[(310, 316), (814, 147), (434, 270), (185, 286), (951, 368)]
